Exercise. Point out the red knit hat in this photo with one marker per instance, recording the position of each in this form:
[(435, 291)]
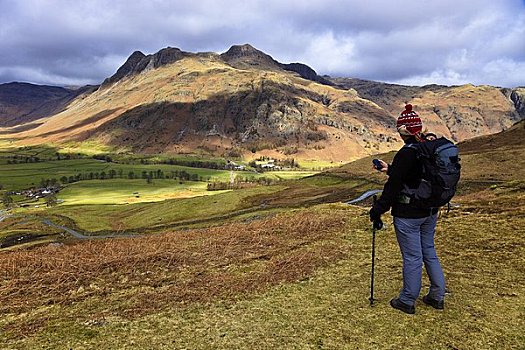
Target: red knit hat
[(409, 121)]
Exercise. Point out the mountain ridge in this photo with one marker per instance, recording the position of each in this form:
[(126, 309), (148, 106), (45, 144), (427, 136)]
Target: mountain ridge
[(244, 102), (238, 56)]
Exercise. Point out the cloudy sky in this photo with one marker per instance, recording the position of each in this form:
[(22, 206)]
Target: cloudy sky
[(407, 41)]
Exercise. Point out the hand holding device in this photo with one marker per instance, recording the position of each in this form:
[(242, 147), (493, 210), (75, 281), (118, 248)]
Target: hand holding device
[(377, 164)]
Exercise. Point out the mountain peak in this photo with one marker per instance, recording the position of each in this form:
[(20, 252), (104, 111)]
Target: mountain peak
[(139, 62), (126, 69), (243, 50), (168, 55), (246, 55), (136, 55)]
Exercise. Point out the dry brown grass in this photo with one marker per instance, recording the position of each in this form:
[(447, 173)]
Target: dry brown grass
[(296, 280), (196, 265)]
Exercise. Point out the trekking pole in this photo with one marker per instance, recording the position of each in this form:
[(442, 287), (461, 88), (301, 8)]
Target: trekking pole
[(373, 260)]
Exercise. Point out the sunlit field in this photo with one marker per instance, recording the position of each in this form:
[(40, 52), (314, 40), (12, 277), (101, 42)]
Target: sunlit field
[(130, 191)]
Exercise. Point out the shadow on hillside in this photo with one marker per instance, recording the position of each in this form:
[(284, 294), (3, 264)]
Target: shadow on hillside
[(511, 138), (25, 103), (21, 128), (270, 115), (87, 121)]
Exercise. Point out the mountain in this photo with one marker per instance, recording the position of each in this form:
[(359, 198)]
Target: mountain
[(239, 103), (246, 56), (244, 103), (22, 103)]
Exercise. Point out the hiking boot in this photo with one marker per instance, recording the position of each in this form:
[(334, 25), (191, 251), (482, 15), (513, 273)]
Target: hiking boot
[(436, 304), (398, 304)]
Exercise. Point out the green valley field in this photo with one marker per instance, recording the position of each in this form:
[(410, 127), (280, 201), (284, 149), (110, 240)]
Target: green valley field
[(107, 194)]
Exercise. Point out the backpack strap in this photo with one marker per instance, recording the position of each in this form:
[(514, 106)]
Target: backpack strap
[(420, 153), (405, 197), (413, 146)]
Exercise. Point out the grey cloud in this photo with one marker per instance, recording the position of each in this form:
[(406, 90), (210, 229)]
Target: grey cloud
[(406, 41)]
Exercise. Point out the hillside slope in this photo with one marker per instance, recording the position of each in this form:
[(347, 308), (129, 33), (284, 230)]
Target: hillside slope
[(508, 140), (486, 161)]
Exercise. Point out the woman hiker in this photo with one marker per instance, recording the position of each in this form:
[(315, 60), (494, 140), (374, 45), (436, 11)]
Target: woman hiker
[(414, 226)]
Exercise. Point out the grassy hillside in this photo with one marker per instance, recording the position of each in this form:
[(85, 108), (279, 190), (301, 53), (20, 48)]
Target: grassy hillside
[(104, 194), (486, 160), (294, 280), (288, 270)]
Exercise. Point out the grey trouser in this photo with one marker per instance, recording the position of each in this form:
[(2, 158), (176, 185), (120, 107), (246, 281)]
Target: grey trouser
[(416, 242)]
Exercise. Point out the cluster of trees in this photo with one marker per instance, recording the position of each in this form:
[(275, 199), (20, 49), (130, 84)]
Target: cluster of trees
[(46, 183), (288, 162), (22, 159), (111, 174), (239, 183), (203, 164), (103, 157), (69, 156), (181, 175)]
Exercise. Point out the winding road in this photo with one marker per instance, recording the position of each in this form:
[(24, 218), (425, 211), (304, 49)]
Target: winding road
[(4, 215), (79, 235)]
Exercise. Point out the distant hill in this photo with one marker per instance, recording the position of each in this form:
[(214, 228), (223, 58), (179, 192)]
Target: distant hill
[(245, 103), (22, 103), (239, 103), (459, 112)]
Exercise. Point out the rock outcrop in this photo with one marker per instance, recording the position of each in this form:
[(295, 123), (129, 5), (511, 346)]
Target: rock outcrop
[(517, 96), (306, 72), (246, 56), (126, 69), (139, 62)]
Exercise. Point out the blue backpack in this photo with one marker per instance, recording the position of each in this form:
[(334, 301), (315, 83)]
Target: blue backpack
[(441, 173)]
